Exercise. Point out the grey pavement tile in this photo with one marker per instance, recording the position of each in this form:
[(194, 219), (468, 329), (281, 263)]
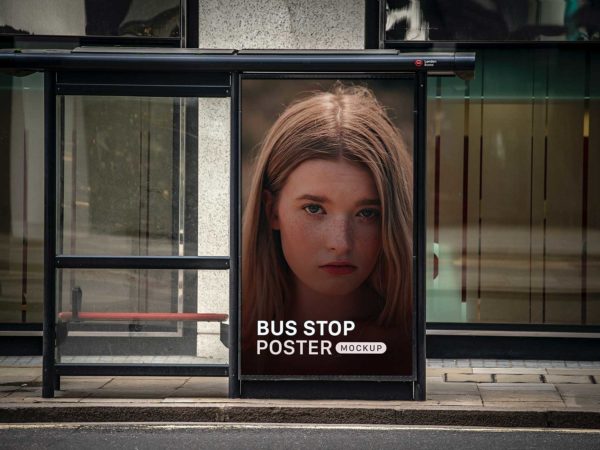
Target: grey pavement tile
[(524, 405), (517, 386), (74, 393), (201, 381), (518, 378), (583, 402), (568, 379), (510, 370), (20, 371), (442, 371), (144, 384), (16, 379), (452, 388), (86, 379), (122, 393), (10, 387), (578, 390), (431, 379), (212, 392), (519, 395), (558, 364), (476, 362), (190, 399), (61, 400), (572, 371), (455, 400), (469, 378), (133, 400), (590, 364)]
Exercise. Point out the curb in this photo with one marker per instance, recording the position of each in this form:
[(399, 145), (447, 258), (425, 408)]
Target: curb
[(298, 414)]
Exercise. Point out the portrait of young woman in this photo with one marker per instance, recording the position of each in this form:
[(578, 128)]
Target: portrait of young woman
[(327, 228)]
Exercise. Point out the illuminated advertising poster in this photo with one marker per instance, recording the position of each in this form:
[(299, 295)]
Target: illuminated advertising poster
[(327, 227)]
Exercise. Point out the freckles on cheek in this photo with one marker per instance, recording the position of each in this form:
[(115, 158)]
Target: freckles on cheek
[(298, 231)]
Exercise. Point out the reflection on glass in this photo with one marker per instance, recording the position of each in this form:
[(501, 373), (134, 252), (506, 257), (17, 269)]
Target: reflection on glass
[(122, 164), (21, 198), (513, 211), (494, 20), (148, 18), (139, 316)]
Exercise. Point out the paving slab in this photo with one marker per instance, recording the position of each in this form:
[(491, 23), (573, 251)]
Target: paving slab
[(144, 384), (582, 402), (455, 400), (525, 405), (453, 388), (578, 390), (519, 395), (469, 378), (21, 371), (578, 371), (429, 372), (534, 387), (511, 370), (518, 378), (112, 400), (568, 379), (130, 393), (17, 379)]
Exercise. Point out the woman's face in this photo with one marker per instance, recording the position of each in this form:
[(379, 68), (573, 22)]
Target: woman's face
[(329, 217)]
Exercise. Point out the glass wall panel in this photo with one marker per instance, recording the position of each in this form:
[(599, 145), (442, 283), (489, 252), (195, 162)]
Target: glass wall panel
[(123, 164), (150, 18), (95, 322), (512, 214), (21, 198), (493, 20)]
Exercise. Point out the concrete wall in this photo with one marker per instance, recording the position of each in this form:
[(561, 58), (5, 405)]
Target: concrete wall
[(239, 24)]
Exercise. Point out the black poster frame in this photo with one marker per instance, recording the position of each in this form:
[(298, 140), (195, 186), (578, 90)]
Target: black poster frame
[(196, 74), (355, 386)]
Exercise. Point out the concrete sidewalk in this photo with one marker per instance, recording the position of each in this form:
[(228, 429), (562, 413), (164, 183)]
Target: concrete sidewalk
[(459, 392)]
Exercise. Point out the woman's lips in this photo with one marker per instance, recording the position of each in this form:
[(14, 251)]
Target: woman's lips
[(338, 268)]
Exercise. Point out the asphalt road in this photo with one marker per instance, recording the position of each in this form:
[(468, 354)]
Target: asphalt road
[(257, 436)]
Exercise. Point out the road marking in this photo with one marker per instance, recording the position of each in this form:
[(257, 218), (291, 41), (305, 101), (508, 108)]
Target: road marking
[(242, 426)]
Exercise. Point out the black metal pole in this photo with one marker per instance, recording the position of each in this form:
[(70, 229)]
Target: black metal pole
[(419, 226), (234, 274), (372, 24), (49, 370), (192, 18)]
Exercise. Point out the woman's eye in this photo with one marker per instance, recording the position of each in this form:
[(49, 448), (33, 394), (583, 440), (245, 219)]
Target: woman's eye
[(313, 209), (368, 213)]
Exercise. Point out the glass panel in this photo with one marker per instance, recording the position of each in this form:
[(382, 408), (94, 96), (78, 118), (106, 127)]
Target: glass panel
[(92, 328), (150, 18), (591, 136), (475, 20), (123, 176), (21, 198), (512, 205)]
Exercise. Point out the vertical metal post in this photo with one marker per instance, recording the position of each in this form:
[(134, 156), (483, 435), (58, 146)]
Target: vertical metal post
[(372, 23), (234, 247), (419, 225), (49, 369)]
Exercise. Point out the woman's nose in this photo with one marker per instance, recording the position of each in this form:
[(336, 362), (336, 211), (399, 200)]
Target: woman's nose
[(339, 235)]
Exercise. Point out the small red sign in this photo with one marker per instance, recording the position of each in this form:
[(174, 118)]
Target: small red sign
[(419, 62)]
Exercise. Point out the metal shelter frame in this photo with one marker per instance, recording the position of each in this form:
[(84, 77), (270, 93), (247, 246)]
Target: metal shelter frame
[(217, 73)]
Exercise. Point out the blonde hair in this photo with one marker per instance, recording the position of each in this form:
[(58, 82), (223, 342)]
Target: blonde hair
[(346, 123)]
